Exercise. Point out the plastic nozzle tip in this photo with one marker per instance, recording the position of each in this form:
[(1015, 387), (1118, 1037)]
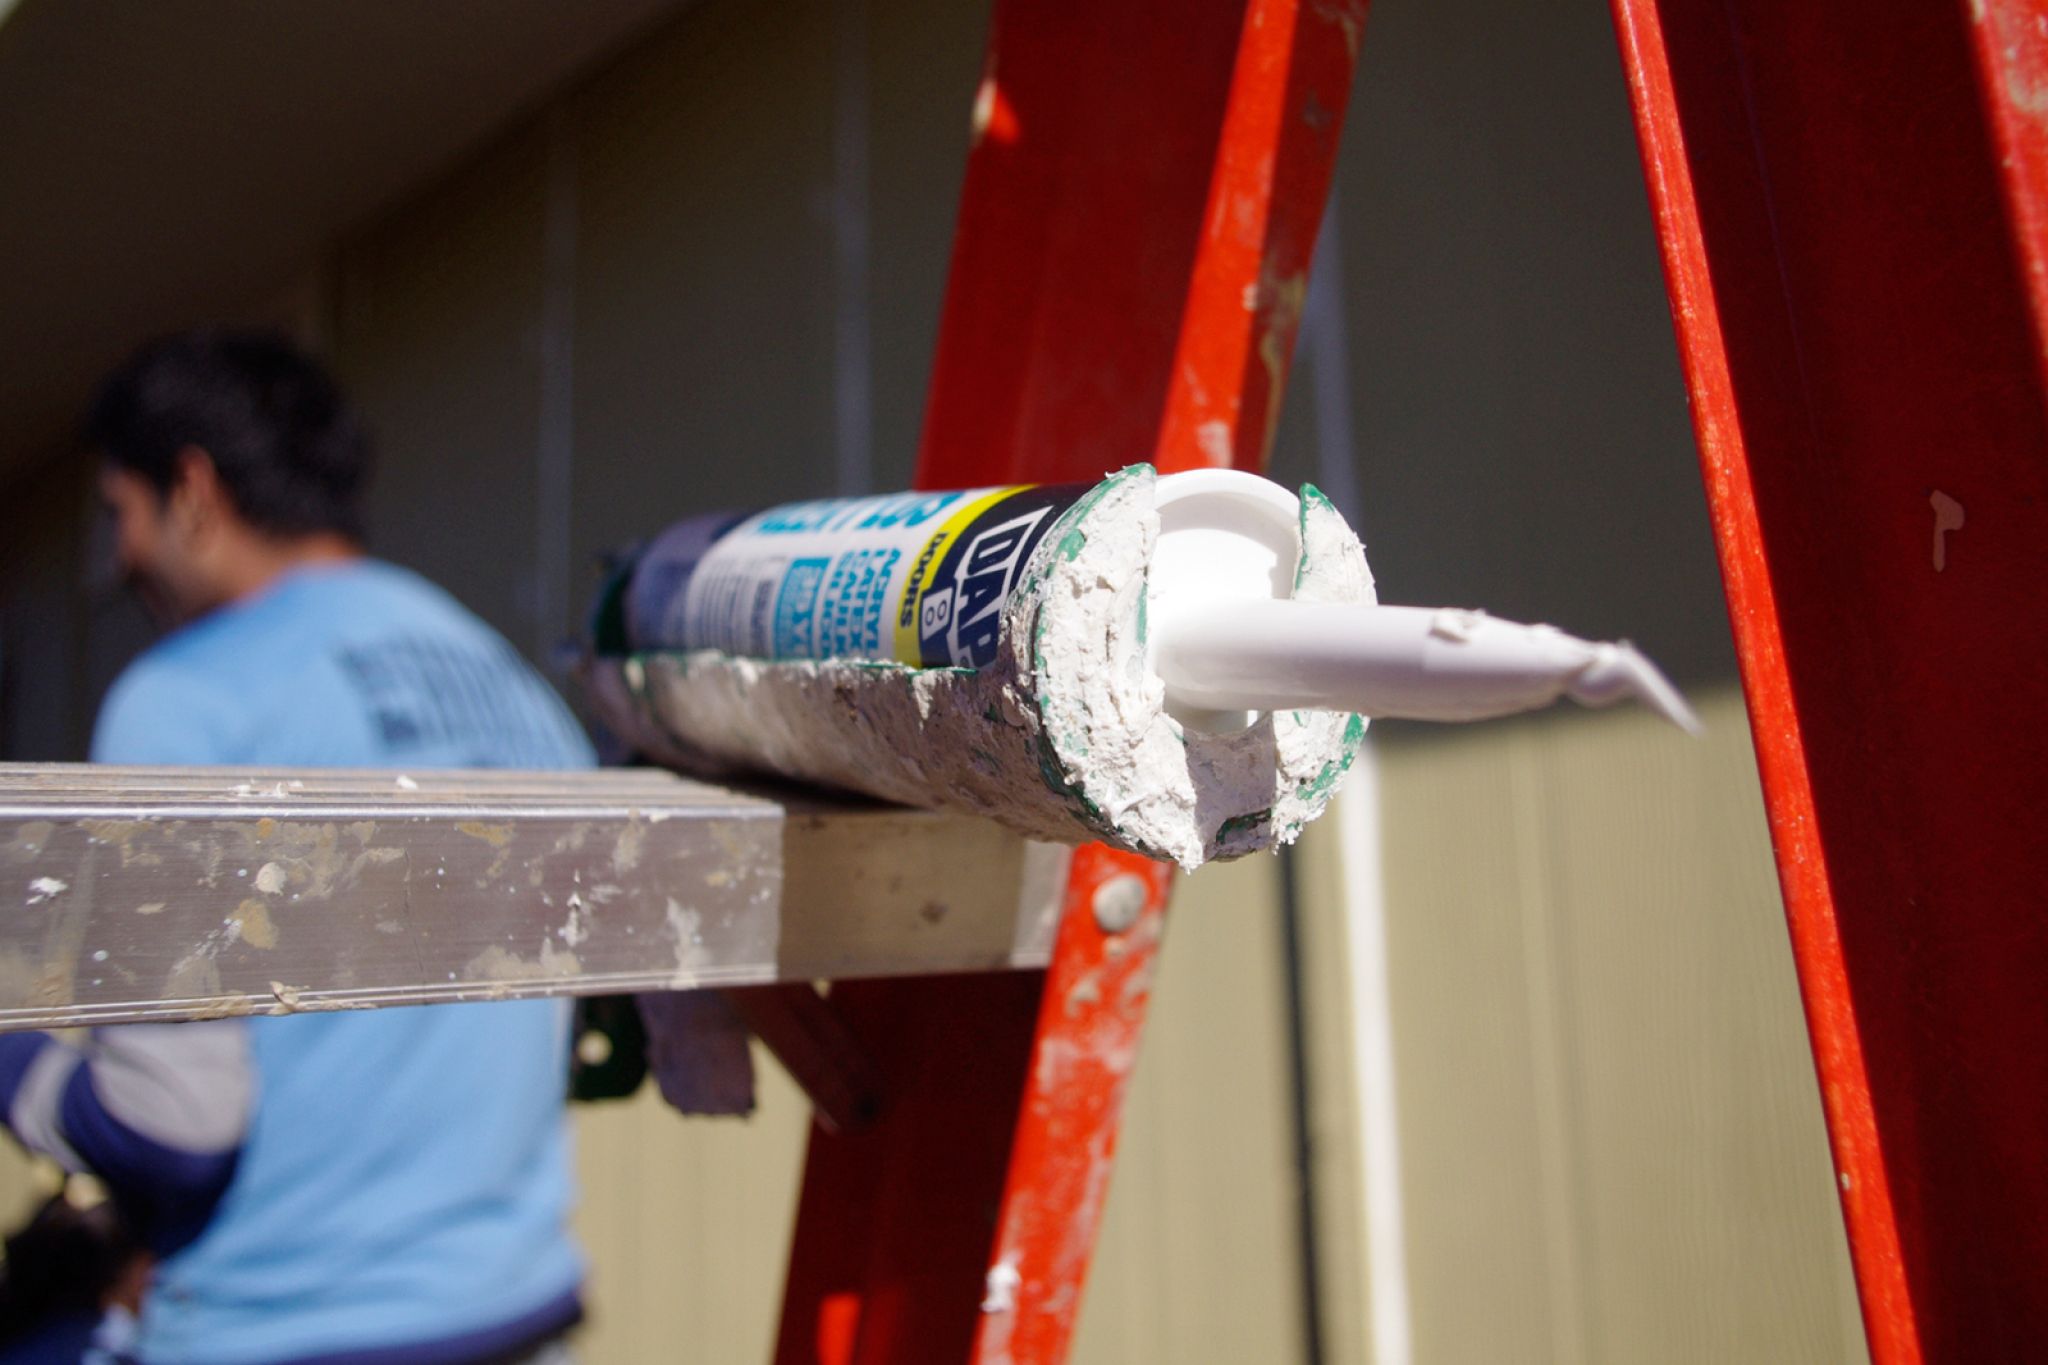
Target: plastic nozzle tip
[(1621, 670)]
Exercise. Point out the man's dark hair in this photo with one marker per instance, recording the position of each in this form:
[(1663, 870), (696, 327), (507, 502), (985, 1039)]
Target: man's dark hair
[(290, 452)]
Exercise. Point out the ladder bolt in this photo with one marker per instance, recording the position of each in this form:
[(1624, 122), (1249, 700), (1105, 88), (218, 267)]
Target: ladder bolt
[(1118, 901)]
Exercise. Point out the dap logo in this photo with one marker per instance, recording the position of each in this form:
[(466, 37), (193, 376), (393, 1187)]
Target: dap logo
[(960, 613)]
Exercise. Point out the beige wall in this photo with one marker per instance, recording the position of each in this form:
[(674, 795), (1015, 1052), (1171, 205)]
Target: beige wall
[(1199, 1258), (1611, 1136), (687, 1225), (1610, 1141), (687, 1222)]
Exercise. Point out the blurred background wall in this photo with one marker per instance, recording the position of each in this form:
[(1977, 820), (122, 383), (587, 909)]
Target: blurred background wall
[(1504, 1064)]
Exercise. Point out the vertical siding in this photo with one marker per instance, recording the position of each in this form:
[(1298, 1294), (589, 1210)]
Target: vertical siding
[(437, 336), (703, 333), (1612, 1140), (1336, 1152), (45, 710), (686, 1223), (1198, 1255)]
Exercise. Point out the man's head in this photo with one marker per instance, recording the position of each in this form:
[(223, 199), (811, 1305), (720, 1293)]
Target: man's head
[(226, 458)]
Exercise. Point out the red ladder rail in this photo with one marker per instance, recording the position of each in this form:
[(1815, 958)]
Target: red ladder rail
[(1851, 204), (1133, 244)]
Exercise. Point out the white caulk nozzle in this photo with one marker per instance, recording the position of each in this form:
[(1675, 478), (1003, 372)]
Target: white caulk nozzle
[(1227, 640), (1417, 663)]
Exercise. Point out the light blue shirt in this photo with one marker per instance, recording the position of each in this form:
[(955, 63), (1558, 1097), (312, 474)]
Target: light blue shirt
[(403, 1182)]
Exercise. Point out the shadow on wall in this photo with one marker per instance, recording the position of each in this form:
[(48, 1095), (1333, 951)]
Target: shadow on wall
[(66, 631), (1522, 441), (1516, 424)]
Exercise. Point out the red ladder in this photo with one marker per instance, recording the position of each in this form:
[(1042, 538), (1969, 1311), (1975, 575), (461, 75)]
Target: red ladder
[(1132, 256), (1851, 203), (1853, 209)]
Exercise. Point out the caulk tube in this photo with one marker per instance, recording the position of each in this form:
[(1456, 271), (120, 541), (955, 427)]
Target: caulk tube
[(1062, 733), (1125, 661), (923, 578), (912, 578)]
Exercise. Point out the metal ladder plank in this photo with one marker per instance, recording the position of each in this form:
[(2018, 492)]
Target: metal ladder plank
[(158, 894)]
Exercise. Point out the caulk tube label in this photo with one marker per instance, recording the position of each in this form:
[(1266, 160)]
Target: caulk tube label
[(952, 603), (660, 578), (916, 578)]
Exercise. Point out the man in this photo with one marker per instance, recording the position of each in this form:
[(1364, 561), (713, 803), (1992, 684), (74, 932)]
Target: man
[(388, 1186)]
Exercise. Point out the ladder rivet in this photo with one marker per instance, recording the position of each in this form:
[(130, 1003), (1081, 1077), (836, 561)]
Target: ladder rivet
[(1118, 901)]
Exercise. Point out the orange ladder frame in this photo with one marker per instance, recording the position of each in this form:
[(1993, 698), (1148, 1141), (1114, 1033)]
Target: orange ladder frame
[(1853, 209), (1131, 261)]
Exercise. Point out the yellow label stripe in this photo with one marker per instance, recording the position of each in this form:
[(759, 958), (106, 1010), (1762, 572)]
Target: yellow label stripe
[(928, 560)]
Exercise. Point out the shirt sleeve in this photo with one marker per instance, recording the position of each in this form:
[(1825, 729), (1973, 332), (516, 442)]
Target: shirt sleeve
[(157, 1111), (158, 713)]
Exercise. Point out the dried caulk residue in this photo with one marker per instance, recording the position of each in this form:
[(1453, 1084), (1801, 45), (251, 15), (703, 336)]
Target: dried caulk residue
[(1349, 16), (995, 118), (194, 976), (577, 927), (999, 1293), (496, 963), (1457, 624), (54, 985), (252, 920), (1276, 337), (30, 837), (688, 927), (132, 837), (276, 790), (46, 888), (626, 852), (1948, 516), (270, 879)]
